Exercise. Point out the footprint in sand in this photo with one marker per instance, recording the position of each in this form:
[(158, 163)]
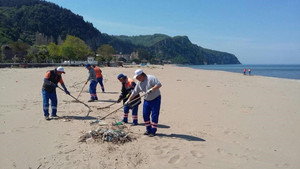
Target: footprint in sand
[(220, 150), (158, 150), (174, 160), (197, 155)]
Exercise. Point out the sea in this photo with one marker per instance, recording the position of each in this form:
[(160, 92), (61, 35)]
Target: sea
[(289, 71)]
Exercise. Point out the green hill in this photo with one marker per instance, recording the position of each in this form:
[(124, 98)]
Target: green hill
[(179, 49), (42, 22)]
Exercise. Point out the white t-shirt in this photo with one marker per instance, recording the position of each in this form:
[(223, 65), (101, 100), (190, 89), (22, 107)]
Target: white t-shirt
[(149, 82)]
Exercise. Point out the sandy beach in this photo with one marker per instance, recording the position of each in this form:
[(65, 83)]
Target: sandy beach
[(208, 119)]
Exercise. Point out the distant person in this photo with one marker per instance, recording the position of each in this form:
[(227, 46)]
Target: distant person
[(51, 80), (99, 76), (249, 71), (150, 85), (128, 85), (244, 70), (93, 83)]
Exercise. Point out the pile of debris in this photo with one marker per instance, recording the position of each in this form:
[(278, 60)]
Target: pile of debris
[(114, 133)]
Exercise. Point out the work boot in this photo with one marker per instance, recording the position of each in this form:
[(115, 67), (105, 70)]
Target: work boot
[(134, 123), (125, 120), (47, 118), (55, 116), (91, 100), (152, 135), (147, 133)]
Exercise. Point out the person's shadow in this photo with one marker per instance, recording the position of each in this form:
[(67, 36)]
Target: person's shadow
[(79, 117), (181, 136), (108, 101), (110, 92)]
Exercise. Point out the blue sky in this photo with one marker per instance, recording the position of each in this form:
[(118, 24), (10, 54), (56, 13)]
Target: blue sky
[(256, 31)]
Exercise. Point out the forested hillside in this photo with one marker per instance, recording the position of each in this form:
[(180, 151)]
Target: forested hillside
[(38, 22), (22, 19)]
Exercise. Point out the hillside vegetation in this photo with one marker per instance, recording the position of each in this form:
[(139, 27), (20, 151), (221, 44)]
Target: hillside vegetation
[(37, 22)]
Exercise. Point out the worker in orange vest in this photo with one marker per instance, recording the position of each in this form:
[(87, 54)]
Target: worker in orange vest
[(128, 85), (99, 76)]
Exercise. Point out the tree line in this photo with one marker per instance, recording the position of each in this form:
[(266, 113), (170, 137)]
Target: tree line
[(72, 48)]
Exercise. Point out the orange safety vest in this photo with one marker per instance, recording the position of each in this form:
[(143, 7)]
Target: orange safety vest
[(128, 84), (98, 72)]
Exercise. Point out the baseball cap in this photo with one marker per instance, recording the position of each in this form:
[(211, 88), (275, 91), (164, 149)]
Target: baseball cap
[(60, 69), (121, 76), (87, 65), (137, 72)]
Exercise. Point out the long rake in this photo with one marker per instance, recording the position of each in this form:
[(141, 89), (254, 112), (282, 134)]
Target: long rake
[(122, 106), (90, 110)]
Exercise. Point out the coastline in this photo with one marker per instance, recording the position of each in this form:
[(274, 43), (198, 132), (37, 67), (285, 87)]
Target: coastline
[(285, 71), (209, 119)]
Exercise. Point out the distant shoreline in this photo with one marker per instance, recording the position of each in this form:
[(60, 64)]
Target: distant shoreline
[(285, 71)]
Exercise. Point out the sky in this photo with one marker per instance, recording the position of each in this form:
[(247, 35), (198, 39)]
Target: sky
[(255, 31)]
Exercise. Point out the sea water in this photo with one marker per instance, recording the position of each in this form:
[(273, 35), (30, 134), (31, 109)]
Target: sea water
[(278, 71)]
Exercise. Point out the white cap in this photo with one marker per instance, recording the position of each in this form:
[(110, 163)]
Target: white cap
[(60, 69), (137, 72)]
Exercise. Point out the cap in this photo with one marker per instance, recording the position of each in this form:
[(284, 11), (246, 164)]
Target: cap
[(60, 69), (87, 65), (137, 72), (121, 76)]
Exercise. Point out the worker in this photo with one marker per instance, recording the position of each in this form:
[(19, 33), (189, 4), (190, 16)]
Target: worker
[(149, 85), (93, 82), (128, 85), (99, 76), (51, 80)]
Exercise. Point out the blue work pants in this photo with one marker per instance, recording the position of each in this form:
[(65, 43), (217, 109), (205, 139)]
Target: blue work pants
[(151, 108), (52, 96)]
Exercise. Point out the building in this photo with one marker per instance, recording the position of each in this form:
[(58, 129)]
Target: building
[(90, 60)]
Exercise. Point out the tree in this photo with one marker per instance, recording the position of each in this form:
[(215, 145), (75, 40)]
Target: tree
[(38, 54), (1, 57), (67, 53), (144, 55), (19, 50), (105, 52), (75, 49), (54, 51)]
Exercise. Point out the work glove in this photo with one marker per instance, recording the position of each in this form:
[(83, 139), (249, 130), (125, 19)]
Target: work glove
[(119, 100), (53, 84), (149, 91), (67, 92), (127, 103)]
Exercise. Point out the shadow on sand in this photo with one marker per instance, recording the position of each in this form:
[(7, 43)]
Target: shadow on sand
[(79, 117), (110, 93), (106, 101), (181, 136), (159, 125)]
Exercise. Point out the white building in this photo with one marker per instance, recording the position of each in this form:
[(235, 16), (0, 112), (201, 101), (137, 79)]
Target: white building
[(90, 60)]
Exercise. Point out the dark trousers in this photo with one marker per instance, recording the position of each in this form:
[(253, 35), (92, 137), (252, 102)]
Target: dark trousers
[(100, 81), (46, 97), (151, 108)]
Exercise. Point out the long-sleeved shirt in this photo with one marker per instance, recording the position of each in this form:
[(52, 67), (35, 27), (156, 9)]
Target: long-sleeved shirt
[(126, 90), (147, 84), (92, 75)]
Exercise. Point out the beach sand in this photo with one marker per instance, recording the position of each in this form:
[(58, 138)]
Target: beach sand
[(208, 119)]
